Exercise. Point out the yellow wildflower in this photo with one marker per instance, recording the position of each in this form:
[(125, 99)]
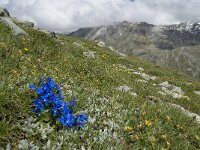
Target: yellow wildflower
[(33, 73), (152, 140), (144, 113), (148, 123), (135, 137), (168, 118), (139, 126), (128, 129), (186, 97), (26, 49)]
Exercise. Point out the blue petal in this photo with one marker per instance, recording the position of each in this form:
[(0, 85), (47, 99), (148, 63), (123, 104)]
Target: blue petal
[(32, 86), (72, 103), (39, 91)]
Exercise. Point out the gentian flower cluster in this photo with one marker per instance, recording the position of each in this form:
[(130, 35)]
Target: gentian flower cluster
[(49, 96)]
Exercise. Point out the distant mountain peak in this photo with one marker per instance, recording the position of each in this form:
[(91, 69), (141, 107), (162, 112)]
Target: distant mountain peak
[(192, 27), (176, 46)]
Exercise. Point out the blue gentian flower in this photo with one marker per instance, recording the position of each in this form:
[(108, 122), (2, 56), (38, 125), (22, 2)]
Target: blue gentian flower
[(81, 119), (49, 96), (38, 107), (39, 91), (72, 103), (32, 86), (67, 120), (55, 111)]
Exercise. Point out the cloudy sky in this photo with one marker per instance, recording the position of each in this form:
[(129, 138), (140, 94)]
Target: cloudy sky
[(67, 15)]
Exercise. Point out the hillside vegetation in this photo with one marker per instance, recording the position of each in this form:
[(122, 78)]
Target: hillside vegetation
[(128, 106)]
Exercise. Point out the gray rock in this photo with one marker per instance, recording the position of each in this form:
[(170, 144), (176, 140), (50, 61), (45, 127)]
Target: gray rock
[(133, 94), (142, 81), (90, 54), (53, 34), (165, 84), (136, 73), (100, 44), (172, 90), (197, 92), (148, 77), (188, 113), (15, 29), (111, 48), (124, 88), (121, 54), (4, 12), (141, 69), (24, 23)]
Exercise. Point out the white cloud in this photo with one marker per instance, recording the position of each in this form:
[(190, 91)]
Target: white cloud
[(65, 15)]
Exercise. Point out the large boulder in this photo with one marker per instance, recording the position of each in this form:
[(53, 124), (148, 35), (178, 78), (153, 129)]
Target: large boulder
[(15, 29), (24, 23)]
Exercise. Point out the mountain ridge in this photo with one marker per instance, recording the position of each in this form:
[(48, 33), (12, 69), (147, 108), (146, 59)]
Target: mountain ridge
[(175, 46)]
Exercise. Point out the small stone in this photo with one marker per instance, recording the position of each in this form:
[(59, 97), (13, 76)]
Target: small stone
[(142, 81), (174, 91), (111, 48), (177, 89), (197, 92), (133, 94), (148, 77), (101, 44), (53, 34), (121, 54), (136, 73), (124, 88), (90, 54), (164, 84), (141, 69)]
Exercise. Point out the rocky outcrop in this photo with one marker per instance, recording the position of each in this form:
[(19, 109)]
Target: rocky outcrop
[(15, 29), (4, 12), (9, 21)]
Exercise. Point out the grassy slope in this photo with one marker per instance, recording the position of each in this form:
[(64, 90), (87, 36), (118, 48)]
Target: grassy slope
[(93, 81)]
